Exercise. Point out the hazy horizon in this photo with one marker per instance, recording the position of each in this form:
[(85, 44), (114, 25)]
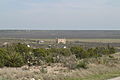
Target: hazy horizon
[(14, 28)]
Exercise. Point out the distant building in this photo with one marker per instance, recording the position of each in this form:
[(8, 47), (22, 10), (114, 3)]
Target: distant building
[(64, 47), (61, 41), (5, 43), (39, 42), (28, 45)]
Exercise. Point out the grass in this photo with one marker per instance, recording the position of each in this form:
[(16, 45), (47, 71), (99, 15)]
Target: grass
[(87, 40), (98, 77), (71, 40), (94, 77), (102, 71), (97, 40), (3, 79)]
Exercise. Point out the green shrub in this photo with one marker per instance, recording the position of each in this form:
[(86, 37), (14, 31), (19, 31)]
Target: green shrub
[(2, 57), (82, 64), (40, 52), (64, 52), (49, 59), (10, 58), (23, 50), (1, 64), (43, 70), (13, 59), (79, 52)]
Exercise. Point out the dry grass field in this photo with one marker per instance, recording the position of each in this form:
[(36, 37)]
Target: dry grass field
[(98, 69), (87, 40), (97, 40), (69, 40)]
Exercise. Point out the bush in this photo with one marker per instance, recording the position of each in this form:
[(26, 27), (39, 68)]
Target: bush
[(10, 58), (92, 52), (23, 50), (64, 52), (40, 52), (13, 59), (82, 64), (49, 59), (43, 70), (2, 57), (1, 64), (79, 52), (69, 62)]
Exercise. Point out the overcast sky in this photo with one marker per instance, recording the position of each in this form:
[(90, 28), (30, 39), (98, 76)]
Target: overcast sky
[(60, 14)]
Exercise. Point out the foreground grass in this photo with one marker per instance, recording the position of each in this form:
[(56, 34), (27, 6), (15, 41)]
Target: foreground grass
[(93, 77), (98, 77), (3, 79), (102, 74)]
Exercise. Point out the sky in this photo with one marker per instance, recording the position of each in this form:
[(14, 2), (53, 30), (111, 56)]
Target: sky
[(60, 14)]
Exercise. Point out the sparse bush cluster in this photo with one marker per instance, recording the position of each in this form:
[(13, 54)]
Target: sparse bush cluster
[(17, 55), (92, 52)]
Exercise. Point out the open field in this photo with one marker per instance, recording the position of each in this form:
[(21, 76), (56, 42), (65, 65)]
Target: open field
[(87, 40), (97, 40), (69, 34), (105, 40)]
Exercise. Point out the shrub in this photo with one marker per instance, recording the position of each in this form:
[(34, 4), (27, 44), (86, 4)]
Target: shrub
[(79, 52), (23, 50), (2, 57), (1, 64), (111, 50), (64, 52), (40, 52), (49, 59), (69, 62), (82, 64), (43, 70), (13, 59)]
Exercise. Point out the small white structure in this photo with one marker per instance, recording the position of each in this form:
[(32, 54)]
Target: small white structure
[(28, 45), (61, 41), (40, 42), (5, 43), (64, 47)]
